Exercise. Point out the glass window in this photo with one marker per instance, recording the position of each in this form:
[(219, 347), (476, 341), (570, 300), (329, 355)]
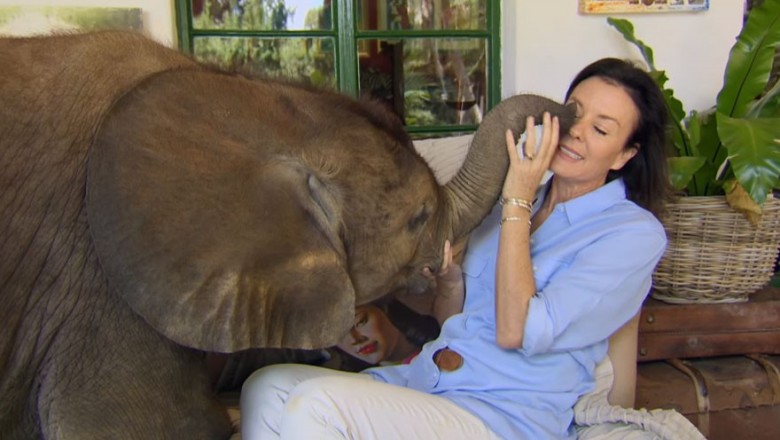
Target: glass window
[(259, 15), (433, 62), (422, 15), (427, 81), (309, 60)]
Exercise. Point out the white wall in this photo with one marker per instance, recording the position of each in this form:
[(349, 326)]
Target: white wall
[(158, 15), (546, 42)]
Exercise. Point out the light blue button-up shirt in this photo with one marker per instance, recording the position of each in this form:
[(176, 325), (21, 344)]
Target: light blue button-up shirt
[(593, 260)]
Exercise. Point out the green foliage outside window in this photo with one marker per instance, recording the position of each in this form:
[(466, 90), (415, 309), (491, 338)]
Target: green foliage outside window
[(435, 63)]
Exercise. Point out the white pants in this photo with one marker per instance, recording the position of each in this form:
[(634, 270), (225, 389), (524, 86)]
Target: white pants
[(305, 402)]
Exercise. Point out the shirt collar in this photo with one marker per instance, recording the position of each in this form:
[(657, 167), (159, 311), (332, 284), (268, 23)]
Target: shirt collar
[(593, 202)]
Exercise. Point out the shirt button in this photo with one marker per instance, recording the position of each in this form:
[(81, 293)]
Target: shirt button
[(535, 268)]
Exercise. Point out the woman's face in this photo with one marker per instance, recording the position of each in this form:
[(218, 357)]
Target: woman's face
[(372, 338), (595, 144)]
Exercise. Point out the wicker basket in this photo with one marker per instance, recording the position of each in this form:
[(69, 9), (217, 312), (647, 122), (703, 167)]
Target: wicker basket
[(714, 254)]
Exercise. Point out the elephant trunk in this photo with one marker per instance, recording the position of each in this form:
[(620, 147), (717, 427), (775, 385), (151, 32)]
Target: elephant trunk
[(473, 191)]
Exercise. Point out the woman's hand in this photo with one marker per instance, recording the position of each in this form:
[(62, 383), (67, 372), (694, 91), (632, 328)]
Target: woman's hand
[(450, 276), (450, 290), (525, 173)]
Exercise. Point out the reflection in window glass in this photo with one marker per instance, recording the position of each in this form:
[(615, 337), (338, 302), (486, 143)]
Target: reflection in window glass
[(421, 14), (427, 81), (261, 15), (307, 59)]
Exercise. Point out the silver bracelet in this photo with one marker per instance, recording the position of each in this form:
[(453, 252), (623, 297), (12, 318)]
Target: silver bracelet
[(516, 202), (512, 219)]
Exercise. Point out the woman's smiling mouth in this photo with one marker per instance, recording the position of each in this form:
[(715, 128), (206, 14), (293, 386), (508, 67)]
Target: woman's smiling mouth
[(569, 153)]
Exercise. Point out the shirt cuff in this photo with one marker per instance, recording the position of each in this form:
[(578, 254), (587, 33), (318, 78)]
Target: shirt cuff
[(538, 334)]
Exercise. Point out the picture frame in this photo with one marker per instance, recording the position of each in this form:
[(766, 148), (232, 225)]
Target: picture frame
[(641, 6)]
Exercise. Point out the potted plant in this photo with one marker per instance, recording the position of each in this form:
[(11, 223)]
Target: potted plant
[(727, 160)]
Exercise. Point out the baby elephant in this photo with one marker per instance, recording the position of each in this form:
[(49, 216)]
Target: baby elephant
[(155, 209)]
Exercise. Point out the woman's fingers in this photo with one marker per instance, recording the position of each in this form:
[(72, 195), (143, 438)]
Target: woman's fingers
[(550, 137), (510, 146), (530, 138), (546, 130), (447, 256)]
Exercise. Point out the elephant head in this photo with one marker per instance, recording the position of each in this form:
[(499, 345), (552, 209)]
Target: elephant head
[(260, 212), (233, 213)]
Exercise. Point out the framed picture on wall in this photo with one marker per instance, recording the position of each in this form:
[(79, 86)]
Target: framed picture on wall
[(641, 6), (26, 20)]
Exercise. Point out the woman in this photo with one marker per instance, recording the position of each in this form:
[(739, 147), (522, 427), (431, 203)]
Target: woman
[(549, 275), (387, 333)]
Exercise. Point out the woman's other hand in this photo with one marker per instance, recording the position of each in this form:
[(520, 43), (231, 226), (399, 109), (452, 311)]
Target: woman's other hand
[(450, 290)]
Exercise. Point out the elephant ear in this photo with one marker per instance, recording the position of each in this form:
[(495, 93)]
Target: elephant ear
[(215, 246)]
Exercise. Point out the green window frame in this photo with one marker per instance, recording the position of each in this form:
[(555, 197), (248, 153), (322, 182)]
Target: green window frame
[(347, 36)]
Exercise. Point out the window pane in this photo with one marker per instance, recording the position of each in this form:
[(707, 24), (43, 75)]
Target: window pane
[(261, 15), (421, 14), (303, 58), (427, 81)]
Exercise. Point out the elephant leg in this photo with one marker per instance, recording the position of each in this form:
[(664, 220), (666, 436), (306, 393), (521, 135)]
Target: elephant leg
[(18, 419), (231, 370), (128, 382)]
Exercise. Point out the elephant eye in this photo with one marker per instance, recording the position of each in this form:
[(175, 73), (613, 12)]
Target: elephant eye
[(418, 219)]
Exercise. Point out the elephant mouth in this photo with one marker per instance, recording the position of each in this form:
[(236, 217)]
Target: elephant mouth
[(418, 284)]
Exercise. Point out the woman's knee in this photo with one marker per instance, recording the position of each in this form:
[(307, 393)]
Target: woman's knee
[(320, 408), (264, 395), (264, 376), (268, 386), (259, 382), (274, 382)]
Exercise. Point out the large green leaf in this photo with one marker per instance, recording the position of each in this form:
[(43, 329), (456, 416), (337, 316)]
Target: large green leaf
[(676, 110), (626, 28), (682, 169), (754, 152), (768, 105), (750, 60), (703, 131)]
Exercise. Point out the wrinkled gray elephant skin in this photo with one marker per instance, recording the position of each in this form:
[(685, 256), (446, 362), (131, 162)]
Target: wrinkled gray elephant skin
[(154, 209)]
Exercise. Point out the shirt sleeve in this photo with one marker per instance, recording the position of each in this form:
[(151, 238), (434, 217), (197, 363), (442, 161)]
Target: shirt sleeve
[(601, 289)]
